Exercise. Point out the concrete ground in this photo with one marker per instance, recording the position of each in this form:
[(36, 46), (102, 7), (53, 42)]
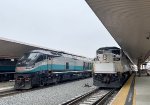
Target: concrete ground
[(4, 86), (142, 86), (7, 84)]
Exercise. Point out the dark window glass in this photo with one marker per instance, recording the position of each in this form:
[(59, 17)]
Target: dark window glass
[(84, 65), (40, 58), (116, 52), (7, 62), (67, 65), (100, 52), (29, 56), (44, 57)]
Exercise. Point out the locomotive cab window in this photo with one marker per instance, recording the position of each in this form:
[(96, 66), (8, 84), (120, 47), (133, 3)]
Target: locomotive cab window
[(116, 52), (40, 58), (100, 52), (44, 57)]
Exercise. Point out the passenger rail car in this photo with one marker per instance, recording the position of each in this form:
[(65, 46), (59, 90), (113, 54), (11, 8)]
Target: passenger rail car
[(7, 69), (111, 67), (40, 67)]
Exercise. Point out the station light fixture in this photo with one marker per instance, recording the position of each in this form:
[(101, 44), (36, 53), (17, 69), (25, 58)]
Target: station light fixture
[(148, 37), (12, 60)]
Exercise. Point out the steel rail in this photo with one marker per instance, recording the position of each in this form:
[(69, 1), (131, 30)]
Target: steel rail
[(8, 93), (98, 99), (73, 101), (104, 98)]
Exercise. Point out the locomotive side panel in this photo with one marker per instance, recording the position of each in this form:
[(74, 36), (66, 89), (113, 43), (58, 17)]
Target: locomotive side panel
[(58, 64)]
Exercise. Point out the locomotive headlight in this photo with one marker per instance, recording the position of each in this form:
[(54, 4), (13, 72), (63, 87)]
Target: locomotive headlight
[(104, 57)]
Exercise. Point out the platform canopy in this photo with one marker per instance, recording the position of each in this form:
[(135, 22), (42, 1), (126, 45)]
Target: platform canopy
[(128, 21), (13, 49)]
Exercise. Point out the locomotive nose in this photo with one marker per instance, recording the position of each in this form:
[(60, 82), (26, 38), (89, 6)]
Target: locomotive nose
[(20, 82), (106, 79)]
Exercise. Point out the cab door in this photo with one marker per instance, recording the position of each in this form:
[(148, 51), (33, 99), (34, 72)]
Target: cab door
[(49, 63), (42, 63), (45, 62)]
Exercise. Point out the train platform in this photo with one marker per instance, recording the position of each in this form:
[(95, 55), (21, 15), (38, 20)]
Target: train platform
[(136, 91), (5, 86), (142, 86)]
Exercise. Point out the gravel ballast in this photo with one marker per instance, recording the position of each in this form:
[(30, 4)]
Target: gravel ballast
[(53, 95)]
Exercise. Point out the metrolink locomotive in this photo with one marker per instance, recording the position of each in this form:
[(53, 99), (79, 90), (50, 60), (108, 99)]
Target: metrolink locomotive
[(40, 67), (111, 67)]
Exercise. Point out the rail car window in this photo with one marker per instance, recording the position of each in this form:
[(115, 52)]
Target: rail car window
[(67, 65), (91, 65), (88, 65), (83, 65), (7, 62)]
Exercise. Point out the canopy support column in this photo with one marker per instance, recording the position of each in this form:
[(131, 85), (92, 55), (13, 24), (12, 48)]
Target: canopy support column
[(139, 66)]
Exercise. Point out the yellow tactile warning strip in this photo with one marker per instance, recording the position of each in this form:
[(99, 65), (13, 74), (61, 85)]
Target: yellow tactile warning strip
[(134, 97), (123, 93)]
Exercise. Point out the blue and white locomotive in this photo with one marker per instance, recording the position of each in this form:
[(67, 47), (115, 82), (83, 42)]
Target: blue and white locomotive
[(41, 67), (111, 67)]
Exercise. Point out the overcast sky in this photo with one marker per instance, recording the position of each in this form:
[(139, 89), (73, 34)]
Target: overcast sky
[(68, 25)]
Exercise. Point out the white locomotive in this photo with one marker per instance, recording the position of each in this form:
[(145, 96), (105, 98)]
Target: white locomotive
[(111, 67)]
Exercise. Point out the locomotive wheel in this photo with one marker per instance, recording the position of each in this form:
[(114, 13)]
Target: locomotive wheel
[(42, 82), (57, 79)]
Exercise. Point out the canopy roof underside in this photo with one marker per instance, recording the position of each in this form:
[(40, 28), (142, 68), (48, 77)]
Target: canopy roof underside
[(15, 49), (10, 49), (128, 21)]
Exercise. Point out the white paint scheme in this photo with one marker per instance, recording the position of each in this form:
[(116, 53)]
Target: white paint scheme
[(105, 63), (108, 57), (104, 68), (58, 60)]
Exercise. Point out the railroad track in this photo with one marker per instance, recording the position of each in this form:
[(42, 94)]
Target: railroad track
[(94, 97), (13, 91), (8, 93)]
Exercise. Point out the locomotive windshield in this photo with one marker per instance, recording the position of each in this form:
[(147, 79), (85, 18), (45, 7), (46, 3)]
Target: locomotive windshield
[(113, 50), (30, 56), (116, 52), (28, 59)]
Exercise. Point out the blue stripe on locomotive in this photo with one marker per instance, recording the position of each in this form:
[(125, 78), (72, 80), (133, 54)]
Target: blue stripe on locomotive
[(55, 67), (63, 67), (7, 68)]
